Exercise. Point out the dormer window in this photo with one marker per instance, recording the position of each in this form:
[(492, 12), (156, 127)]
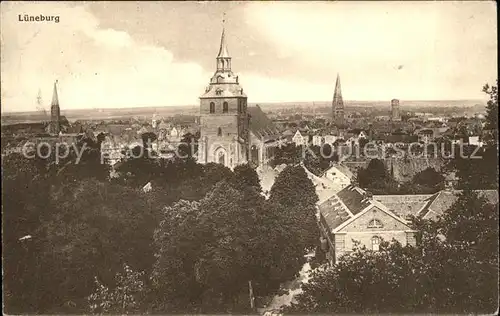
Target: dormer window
[(375, 223), (212, 107)]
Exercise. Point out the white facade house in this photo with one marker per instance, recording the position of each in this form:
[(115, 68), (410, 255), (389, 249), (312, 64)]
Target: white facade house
[(317, 140), (298, 139), (340, 175), (474, 140)]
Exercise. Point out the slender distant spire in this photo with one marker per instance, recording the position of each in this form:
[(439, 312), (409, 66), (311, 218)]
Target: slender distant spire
[(338, 103), (55, 113), (223, 47), (55, 98), (338, 91)]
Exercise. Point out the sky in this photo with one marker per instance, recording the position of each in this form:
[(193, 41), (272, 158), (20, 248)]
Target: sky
[(130, 54)]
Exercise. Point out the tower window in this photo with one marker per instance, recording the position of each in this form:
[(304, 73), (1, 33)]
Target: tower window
[(225, 107), (219, 131), (212, 107)]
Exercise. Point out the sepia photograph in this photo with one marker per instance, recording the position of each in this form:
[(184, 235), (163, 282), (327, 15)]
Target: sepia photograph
[(249, 157)]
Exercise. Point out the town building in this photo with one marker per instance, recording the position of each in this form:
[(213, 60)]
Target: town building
[(395, 113), (339, 174), (231, 133), (299, 139), (224, 119), (354, 215)]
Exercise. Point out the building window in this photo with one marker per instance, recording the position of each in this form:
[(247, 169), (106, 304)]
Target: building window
[(225, 107), (375, 243), (375, 223), (212, 107), (219, 131)]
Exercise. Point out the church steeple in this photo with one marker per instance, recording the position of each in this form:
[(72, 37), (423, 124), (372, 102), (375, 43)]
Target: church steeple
[(338, 103), (55, 98), (55, 112), (223, 59)]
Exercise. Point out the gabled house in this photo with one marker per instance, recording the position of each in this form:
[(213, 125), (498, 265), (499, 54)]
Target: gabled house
[(351, 216), (298, 139), (355, 215), (340, 175)]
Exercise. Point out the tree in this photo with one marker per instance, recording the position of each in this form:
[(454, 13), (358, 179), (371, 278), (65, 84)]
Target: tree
[(209, 250), (93, 229), (289, 154), (244, 175), (295, 191), (481, 173), (91, 164), (25, 200), (319, 159), (428, 177), (476, 168), (376, 178), (125, 298), (362, 282), (189, 145), (492, 107)]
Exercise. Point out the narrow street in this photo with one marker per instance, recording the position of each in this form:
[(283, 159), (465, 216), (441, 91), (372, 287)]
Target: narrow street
[(293, 287)]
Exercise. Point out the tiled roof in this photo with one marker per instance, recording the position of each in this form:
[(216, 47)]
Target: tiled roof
[(260, 124), (403, 205), (333, 212), (443, 200), (354, 198)]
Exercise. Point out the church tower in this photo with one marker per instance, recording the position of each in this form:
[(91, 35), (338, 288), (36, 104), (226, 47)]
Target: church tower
[(395, 114), (224, 121), (55, 113), (338, 104)]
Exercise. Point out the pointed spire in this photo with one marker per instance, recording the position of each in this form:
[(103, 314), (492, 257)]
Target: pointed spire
[(338, 103), (223, 47), (338, 91), (55, 98)]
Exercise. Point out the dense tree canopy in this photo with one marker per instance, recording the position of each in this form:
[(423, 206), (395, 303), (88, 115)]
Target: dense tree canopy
[(295, 191), (214, 247), (477, 168)]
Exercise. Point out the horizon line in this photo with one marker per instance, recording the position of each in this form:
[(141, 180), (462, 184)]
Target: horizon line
[(250, 103)]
